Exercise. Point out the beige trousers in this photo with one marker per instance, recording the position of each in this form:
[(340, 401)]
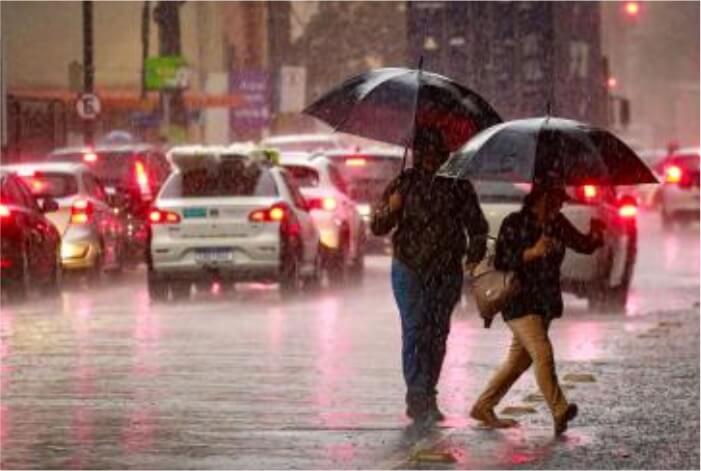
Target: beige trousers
[(530, 344)]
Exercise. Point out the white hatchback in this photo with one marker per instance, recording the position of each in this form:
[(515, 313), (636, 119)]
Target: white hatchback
[(335, 214), (678, 195), (223, 216)]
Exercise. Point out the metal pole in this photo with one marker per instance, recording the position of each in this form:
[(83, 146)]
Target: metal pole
[(145, 32), (88, 67)]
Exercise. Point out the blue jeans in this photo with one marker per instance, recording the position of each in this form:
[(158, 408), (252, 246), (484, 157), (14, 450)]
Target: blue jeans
[(425, 307)]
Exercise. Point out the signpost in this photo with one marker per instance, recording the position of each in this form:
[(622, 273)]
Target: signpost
[(88, 106), (167, 73)]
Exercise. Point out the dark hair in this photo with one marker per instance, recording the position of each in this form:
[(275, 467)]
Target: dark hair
[(427, 136)]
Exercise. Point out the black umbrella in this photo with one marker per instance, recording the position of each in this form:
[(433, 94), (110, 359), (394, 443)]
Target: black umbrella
[(387, 104), (548, 150)]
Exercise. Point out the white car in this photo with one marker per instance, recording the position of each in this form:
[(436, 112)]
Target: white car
[(336, 216), (225, 216), (603, 277), (303, 142), (678, 194)]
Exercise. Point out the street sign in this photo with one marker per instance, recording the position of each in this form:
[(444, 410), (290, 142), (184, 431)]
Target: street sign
[(88, 106), (167, 73)]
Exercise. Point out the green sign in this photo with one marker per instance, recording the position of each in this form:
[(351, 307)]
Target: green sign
[(166, 73)]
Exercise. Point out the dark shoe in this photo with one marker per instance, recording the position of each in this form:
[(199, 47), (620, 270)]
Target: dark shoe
[(417, 407), (561, 422), (435, 413), (490, 419)]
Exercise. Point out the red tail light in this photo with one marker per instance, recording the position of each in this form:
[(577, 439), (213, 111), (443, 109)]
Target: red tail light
[(142, 179), (590, 191), (628, 211), (279, 212), (81, 212), (275, 213), (356, 162), (159, 216), (90, 157), (4, 211), (673, 174), (327, 203)]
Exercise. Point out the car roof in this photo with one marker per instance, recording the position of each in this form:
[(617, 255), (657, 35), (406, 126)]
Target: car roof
[(370, 152), (285, 138), (59, 167), (140, 147), (297, 158), (686, 151)]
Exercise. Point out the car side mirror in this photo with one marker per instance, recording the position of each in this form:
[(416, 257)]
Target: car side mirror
[(49, 205)]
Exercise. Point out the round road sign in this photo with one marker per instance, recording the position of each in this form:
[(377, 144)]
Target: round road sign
[(88, 106)]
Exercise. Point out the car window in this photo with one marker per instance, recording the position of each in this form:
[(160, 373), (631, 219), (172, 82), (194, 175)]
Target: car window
[(51, 184), (297, 197), (500, 192), (306, 177), (232, 178), (94, 187), (366, 175), (27, 199)]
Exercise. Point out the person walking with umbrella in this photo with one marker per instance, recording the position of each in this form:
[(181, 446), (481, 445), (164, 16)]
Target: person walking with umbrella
[(430, 217), (434, 116), (549, 153)]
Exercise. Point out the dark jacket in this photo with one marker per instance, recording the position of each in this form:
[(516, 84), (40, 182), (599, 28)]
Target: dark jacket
[(431, 224), (539, 279)]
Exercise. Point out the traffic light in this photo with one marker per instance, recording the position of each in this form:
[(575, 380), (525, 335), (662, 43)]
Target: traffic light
[(632, 9)]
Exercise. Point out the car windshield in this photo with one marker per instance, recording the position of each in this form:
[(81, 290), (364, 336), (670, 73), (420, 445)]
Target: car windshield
[(500, 192), (302, 145), (52, 185), (232, 178), (306, 177), (366, 176), (111, 167)]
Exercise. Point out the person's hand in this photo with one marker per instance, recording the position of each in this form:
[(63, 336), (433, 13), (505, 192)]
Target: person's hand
[(540, 248), (395, 201)]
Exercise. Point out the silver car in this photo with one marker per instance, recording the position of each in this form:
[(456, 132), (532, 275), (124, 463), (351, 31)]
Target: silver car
[(93, 236), (603, 277), (224, 216), (678, 195)]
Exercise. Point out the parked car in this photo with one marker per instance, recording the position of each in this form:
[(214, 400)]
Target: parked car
[(303, 142), (678, 193), (224, 216), (647, 195), (30, 245), (93, 236), (132, 174), (603, 277), (366, 173), (340, 225)]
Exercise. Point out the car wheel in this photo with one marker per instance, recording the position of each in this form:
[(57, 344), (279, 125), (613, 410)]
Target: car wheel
[(338, 263), (313, 282), (53, 285), (18, 289), (157, 289), (180, 290), (290, 279)]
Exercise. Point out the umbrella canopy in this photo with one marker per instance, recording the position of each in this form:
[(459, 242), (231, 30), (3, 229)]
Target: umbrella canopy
[(387, 104), (548, 150)]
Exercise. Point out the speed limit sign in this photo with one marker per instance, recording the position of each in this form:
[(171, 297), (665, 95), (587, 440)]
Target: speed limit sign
[(88, 106)]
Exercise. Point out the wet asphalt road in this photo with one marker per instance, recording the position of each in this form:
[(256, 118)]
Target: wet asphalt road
[(102, 379)]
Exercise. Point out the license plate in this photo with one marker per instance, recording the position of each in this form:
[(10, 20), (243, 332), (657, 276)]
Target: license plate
[(194, 212), (213, 255)]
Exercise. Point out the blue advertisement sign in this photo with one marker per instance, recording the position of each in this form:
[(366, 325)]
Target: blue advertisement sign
[(253, 114)]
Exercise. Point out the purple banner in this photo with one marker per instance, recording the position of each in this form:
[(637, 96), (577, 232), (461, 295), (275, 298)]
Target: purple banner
[(254, 87)]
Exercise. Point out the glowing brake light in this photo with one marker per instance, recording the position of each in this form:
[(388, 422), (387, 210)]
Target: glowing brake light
[(159, 216), (4, 211), (356, 162), (327, 203), (590, 191), (673, 174), (141, 175), (81, 212), (275, 213), (628, 211), (90, 157)]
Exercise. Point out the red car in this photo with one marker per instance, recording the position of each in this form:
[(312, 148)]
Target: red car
[(30, 245)]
